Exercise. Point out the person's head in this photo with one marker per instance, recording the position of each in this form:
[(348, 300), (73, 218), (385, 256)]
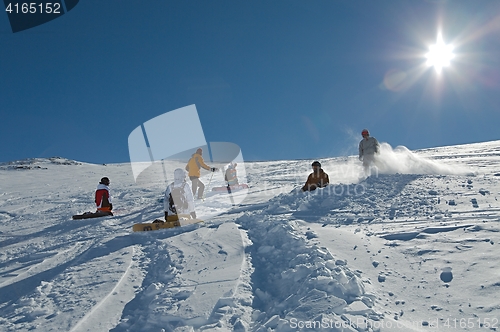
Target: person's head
[(365, 133), (105, 181), (233, 165), (316, 166), (199, 151), (179, 175)]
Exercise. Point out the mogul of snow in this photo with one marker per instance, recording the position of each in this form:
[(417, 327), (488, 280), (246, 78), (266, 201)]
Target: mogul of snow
[(178, 198), (368, 148), (317, 179), (103, 197)]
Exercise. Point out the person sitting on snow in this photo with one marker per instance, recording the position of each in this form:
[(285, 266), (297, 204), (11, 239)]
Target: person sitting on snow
[(231, 175), (317, 179), (178, 198), (103, 197), (368, 148)]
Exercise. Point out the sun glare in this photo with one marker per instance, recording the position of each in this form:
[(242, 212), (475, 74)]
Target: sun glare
[(440, 54)]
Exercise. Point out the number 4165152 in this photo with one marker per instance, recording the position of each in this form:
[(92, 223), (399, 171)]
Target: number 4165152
[(34, 8)]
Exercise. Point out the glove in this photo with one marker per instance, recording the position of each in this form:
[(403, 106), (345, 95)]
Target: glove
[(213, 169), (193, 215)]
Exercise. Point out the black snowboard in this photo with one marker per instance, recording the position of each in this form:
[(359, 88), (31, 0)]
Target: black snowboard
[(88, 215)]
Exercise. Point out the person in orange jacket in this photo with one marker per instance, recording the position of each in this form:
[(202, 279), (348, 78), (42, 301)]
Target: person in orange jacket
[(317, 179), (193, 167)]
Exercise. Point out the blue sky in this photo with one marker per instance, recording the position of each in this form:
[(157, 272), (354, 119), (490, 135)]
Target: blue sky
[(282, 79)]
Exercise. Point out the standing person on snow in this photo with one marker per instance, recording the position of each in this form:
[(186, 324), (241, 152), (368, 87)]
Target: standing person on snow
[(317, 179), (231, 176), (193, 167), (178, 198), (103, 197), (368, 147)]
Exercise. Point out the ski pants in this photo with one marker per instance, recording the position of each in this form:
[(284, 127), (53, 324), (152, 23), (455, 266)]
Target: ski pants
[(368, 163), (196, 184)]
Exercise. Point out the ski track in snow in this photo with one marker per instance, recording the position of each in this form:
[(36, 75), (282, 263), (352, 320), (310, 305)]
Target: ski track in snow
[(393, 252)]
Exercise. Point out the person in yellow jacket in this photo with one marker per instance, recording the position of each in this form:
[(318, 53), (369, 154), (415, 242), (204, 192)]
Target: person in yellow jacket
[(193, 167)]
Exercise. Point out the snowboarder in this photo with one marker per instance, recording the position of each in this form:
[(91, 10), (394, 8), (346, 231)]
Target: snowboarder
[(178, 198), (368, 148), (193, 167), (317, 179), (231, 176), (103, 197)]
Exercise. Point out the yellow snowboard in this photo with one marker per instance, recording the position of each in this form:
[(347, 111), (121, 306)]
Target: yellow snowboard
[(184, 219)]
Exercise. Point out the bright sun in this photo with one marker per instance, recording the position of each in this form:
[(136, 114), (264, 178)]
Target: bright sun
[(440, 54)]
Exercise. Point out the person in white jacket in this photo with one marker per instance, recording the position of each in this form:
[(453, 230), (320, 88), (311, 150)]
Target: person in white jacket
[(178, 197), (368, 148)]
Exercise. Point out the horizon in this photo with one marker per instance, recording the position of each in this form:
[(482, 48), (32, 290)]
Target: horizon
[(255, 161)]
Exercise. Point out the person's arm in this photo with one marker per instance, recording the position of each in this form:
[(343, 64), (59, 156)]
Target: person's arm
[(377, 146), (308, 183), (326, 180), (201, 163), (107, 200)]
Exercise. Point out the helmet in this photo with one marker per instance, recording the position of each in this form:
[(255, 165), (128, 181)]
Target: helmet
[(316, 163), (104, 181), (365, 131), (179, 175)]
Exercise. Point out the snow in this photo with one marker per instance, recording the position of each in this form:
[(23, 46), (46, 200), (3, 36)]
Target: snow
[(411, 248)]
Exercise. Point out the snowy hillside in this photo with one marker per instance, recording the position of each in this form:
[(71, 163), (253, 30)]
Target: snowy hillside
[(415, 248)]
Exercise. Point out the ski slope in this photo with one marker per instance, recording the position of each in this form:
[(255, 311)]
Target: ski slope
[(414, 248)]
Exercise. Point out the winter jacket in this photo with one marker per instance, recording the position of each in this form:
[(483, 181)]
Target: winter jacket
[(188, 197), (368, 146), (231, 177), (316, 180), (103, 198), (195, 164)]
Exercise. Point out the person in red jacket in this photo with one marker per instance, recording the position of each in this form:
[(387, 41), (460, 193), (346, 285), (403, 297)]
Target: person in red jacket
[(103, 197)]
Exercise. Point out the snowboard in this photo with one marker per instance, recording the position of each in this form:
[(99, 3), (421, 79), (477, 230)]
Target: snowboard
[(88, 215), (161, 224), (231, 188)]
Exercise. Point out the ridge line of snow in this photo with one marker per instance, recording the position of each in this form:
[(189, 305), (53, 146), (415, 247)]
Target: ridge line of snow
[(112, 292)]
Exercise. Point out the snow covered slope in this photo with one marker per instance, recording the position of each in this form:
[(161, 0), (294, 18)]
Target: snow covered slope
[(412, 248)]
